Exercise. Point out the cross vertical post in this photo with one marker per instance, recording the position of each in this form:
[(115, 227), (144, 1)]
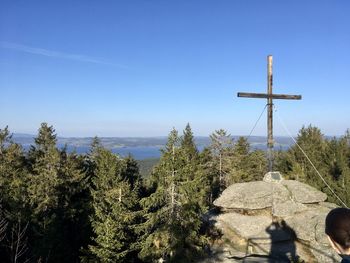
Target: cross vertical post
[(270, 142), (270, 97)]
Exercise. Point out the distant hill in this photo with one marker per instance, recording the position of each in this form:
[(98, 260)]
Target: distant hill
[(140, 147)]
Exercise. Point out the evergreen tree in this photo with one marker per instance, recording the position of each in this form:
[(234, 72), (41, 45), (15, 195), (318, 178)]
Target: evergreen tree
[(113, 219), (131, 173), (13, 201), (256, 165), (162, 203), (44, 164), (330, 157), (5, 139), (175, 207), (73, 209), (209, 166), (246, 165), (43, 194), (13, 175), (188, 144), (57, 195), (336, 160), (312, 141), (239, 162), (221, 150), (242, 146), (89, 160)]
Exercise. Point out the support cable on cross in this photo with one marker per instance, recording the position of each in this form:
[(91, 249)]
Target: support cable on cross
[(307, 157), (256, 123)]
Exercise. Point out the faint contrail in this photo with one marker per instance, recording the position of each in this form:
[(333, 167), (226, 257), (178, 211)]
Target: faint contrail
[(56, 54)]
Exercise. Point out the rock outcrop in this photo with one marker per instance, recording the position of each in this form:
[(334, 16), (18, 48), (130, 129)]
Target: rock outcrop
[(274, 220)]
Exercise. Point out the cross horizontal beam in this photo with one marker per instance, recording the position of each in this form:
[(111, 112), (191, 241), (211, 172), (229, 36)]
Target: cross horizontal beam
[(268, 96)]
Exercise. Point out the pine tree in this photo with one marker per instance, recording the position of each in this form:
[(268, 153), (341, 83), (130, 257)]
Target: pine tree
[(57, 194), (221, 148), (256, 165), (89, 160), (209, 167), (245, 165), (113, 218), (13, 202), (188, 143), (43, 194), (162, 203), (336, 160), (73, 209), (13, 175), (45, 163), (5, 138), (239, 161), (175, 207), (131, 173), (312, 141), (193, 190), (330, 157)]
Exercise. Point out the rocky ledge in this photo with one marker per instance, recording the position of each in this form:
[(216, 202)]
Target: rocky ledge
[(273, 220)]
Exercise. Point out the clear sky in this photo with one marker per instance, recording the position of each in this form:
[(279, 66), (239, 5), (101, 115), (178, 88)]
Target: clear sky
[(138, 68)]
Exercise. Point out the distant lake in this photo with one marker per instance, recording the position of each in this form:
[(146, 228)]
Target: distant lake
[(143, 152), (138, 152), (143, 147)]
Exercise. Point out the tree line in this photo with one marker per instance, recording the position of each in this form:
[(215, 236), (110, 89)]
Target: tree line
[(58, 206)]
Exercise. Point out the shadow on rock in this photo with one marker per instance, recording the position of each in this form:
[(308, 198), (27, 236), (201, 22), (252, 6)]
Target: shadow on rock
[(283, 238)]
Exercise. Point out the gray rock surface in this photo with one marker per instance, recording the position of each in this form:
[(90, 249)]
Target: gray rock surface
[(260, 195), (248, 227), (282, 217), (303, 193), (287, 208), (304, 224), (323, 253), (253, 195)]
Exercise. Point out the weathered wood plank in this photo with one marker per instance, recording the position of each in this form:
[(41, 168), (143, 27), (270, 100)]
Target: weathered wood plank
[(267, 96), (269, 113)]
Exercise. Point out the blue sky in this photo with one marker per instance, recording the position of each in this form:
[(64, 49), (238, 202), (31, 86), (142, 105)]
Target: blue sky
[(139, 68)]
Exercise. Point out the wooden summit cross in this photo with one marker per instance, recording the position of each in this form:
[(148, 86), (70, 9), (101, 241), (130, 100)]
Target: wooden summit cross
[(269, 96)]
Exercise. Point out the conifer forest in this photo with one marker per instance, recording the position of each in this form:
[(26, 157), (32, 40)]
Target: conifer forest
[(60, 206)]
